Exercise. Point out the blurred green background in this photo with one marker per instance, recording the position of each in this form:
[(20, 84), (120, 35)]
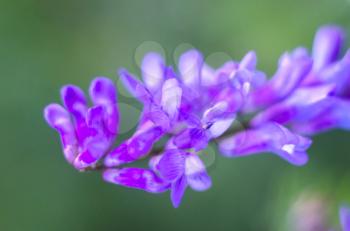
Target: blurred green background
[(45, 44)]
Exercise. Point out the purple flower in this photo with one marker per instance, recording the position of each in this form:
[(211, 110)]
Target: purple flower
[(86, 133), (186, 108), (326, 49), (181, 169), (292, 69), (320, 99), (136, 178), (161, 96), (268, 138), (174, 169)]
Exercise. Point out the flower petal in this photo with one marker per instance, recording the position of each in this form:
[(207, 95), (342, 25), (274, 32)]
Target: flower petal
[(94, 117), (190, 66), (153, 162), (248, 61), (216, 112), (220, 127), (155, 115), (141, 143), (58, 118), (135, 87), (85, 159), (118, 156), (327, 114), (103, 93), (171, 97), (178, 189), (137, 178), (291, 71), (134, 148), (207, 76), (153, 70), (337, 73), (191, 138), (196, 174), (293, 107), (75, 102), (327, 44), (98, 139), (93, 151), (270, 137), (172, 164)]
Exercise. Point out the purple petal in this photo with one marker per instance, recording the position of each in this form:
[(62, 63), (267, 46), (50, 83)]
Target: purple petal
[(337, 73), (153, 68), (327, 44), (172, 165), (157, 117), (84, 160), (226, 73), (219, 127), (291, 71), (142, 142), (216, 112), (103, 93), (191, 120), (309, 95), (94, 117), (93, 152), (345, 218), (171, 97), (178, 189), (98, 140), (207, 76), (118, 156), (293, 107), (293, 147), (134, 148), (137, 178), (153, 162), (196, 174), (326, 114), (135, 87), (248, 61), (190, 66), (75, 102), (218, 119), (234, 96), (58, 118), (267, 138), (191, 138)]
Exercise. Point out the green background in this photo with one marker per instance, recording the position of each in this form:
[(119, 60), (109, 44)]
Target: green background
[(45, 44)]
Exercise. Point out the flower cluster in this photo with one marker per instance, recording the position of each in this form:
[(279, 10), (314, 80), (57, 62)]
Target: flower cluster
[(196, 105)]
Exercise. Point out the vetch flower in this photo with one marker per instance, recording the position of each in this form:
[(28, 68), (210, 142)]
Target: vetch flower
[(270, 137), (187, 107), (319, 101), (292, 69), (161, 99), (173, 170), (181, 169), (86, 133)]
